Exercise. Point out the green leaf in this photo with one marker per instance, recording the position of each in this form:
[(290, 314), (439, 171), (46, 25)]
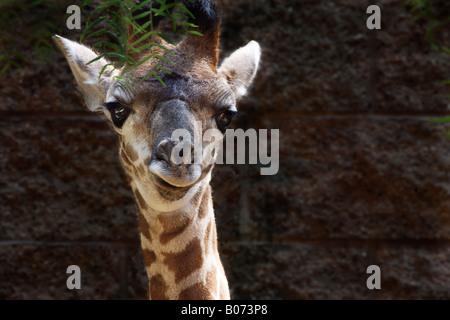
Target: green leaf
[(163, 59), (139, 6), (92, 14), (4, 69), (160, 80), (96, 33), (106, 4), (163, 48), (166, 7), (421, 14), (182, 7), (439, 120), (34, 4), (103, 70), (145, 36), (445, 49), (109, 45), (90, 26), (168, 40), (156, 76), (145, 25), (164, 70), (195, 33), (115, 38), (145, 60), (96, 59), (142, 48), (85, 3), (142, 15), (115, 55), (188, 24)]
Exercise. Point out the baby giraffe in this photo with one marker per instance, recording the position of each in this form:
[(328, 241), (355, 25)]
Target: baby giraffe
[(176, 217)]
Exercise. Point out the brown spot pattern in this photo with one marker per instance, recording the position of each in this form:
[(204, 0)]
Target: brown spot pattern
[(208, 231), (141, 170), (174, 232), (203, 208), (147, 161), (128, 165), (131, 153), (184, 263), (196, 292), (140, 200), (173, 225), (158, 288), (211, 280), (197, 198), (126, 161), (144, 227), (149, 257)]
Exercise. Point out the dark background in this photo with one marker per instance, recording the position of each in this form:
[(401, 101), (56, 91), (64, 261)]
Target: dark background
[(364, 176)]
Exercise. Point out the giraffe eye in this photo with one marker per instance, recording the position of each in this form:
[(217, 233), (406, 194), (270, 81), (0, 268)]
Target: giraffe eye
[(119, 113), (223, 120)]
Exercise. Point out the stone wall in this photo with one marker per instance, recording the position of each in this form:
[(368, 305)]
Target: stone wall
[(364, 177)]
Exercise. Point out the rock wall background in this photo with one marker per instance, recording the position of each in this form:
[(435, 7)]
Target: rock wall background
[(364, 177)]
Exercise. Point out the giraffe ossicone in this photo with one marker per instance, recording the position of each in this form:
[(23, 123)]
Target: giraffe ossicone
[(176, 217)]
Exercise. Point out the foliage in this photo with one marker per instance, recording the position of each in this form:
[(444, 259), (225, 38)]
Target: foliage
[(114, 24), (422, 10), (39, 27), (27, 27), (425, 10)]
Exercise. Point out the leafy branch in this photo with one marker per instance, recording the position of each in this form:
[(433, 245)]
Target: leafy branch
[(124, 29), (40, 28), (424, 10)]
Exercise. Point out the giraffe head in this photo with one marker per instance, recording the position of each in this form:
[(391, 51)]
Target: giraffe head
[(199, 96)]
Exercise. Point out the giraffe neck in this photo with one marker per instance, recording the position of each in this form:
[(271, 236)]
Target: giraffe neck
[(180, 250)]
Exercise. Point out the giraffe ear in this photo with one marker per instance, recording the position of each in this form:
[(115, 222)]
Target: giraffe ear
[(93, 86), (240, 68)]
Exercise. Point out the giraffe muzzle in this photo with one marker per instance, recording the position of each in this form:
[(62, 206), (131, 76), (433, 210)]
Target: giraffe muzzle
[(173, 165)]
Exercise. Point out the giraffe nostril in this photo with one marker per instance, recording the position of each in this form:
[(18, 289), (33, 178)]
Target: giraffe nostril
[(164, 150), (174, 153)]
